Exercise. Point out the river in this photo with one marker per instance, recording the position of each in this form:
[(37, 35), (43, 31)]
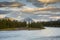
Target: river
[(50, 33)]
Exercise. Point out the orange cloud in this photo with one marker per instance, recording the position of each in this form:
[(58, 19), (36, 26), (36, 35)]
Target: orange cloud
[(49, 1), (53, 9)]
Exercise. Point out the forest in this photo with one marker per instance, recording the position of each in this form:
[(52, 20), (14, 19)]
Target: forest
[(8, 24)]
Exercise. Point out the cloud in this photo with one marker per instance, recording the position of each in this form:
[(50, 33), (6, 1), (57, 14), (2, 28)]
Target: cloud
[(49, 1), (53, 9), (28, 10)]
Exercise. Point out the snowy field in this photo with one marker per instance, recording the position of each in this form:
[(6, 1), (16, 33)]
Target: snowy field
[(45, 34)]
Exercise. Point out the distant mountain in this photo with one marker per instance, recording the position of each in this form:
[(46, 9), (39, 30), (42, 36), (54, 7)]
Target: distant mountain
[(9, 18), (27, 20)]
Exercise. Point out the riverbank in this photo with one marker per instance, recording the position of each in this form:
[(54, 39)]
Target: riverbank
[(14, 29)]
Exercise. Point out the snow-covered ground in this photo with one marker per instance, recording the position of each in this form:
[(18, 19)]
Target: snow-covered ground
[(46, 34)]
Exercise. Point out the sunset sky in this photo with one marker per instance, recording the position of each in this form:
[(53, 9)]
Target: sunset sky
[(35, 1), (33, 7)]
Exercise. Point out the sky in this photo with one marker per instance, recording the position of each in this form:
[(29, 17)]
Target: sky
[(43, 1), (29, 6), (37, 0)]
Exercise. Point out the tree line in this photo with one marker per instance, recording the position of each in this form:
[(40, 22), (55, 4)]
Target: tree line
[(4, 23), (51, 23)]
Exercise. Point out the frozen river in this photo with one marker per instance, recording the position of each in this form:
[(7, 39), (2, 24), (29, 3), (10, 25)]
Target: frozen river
[(45, 34)]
